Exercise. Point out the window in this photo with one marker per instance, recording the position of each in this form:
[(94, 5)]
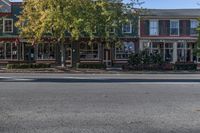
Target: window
[(46, 51), (153, 28), (168, 52), (174, 27), (193, 25), (184, 52), (123, 51), (127, 28), (89, 51), (8, 51), (112, 30), (8, 26)]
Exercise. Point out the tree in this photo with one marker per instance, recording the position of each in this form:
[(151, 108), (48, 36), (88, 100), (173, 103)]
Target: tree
[(56, 18)]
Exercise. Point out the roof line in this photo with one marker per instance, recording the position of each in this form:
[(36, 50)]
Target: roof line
[(8, 3)]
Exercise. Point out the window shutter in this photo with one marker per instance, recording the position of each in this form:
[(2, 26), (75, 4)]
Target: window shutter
[(187, 27), (146, 27), (167, 30), (181, 27), (162, 27)]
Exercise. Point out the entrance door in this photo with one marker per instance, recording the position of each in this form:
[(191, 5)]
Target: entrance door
[(29, 53), (107, 57), (69, 57)]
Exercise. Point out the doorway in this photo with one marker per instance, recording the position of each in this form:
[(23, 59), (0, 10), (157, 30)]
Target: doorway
[(69, 57), (29, 53), (107, 57)]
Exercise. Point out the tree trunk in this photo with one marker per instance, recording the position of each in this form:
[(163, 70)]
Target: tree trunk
[(63, 56)]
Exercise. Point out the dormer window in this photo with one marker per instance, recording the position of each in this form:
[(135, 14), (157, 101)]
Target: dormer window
[(8, 25)]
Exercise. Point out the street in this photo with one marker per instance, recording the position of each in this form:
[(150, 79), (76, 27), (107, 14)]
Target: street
[(103, 103)]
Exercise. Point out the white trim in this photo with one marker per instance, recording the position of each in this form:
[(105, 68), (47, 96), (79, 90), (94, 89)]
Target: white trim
[(7, 3), (131, 26), (175, 20), (5, 19)]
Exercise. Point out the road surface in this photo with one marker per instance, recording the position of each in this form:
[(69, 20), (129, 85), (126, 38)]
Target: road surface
[(83, 103)]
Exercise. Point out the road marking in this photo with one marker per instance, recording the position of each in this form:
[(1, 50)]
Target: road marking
[(5, 77), (20, 79), (163, 83)]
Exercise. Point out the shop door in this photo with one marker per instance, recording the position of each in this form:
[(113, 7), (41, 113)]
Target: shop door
[(107, 57), (69, 57)]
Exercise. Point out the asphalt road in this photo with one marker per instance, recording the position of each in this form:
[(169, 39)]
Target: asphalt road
[(63, 103)]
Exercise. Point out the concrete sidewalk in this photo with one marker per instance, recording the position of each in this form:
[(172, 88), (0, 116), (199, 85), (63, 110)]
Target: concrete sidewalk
[(91, 71)]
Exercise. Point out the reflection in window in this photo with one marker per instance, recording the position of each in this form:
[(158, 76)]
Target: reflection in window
[(46, 51), (89, 51), (153, 27), (174, 27), (124, 50), (8, 51), (168, 52)]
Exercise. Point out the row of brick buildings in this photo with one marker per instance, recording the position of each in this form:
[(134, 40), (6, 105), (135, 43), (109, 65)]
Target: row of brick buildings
[(170, 32)]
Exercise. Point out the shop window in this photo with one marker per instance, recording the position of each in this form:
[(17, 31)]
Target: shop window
[(89, 51), (8, 51), (124, 50), (46, 51), (184, 52)]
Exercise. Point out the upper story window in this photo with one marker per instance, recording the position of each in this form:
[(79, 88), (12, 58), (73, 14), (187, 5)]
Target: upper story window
[(8, 25), (174, 27), (127, 27), (153, 27), (193, 26)]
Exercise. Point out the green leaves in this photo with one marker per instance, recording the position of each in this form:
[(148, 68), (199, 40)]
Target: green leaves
[(78, 17)]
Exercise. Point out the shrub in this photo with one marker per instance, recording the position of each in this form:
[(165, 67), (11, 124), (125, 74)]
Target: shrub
[(145, 61), (92, 66), (185, 66), (27, 66)]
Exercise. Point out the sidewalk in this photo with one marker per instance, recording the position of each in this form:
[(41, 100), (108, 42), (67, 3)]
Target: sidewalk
[(91, 71)]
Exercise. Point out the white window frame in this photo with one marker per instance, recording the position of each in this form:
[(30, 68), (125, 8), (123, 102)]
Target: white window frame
[(6, 19), (151, 27), (193, 20), (88, 59), (175, 20), (131, 26), (129, 53)]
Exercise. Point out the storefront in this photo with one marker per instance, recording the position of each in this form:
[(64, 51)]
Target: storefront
[(172, 51)]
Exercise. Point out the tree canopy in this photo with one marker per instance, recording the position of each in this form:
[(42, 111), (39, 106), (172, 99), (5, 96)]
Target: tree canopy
[(77, 17)]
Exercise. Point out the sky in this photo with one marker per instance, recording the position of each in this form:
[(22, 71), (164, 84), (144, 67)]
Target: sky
[(168, 4)]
